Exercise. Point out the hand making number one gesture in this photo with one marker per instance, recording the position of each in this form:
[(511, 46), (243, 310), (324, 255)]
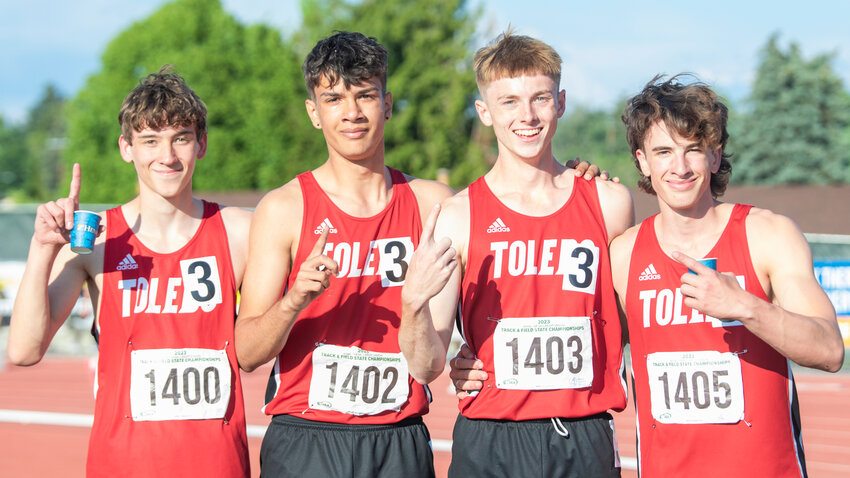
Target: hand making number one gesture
[(314, 276), (432, 264), (55, 219)]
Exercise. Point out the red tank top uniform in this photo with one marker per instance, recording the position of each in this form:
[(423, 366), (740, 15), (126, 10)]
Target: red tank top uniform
[(341, 362), (538, 308), (169, 396), (712, 398)]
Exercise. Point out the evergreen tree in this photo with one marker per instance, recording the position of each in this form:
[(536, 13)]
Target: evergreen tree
[(796, 129), (12, 164), (44, 137)]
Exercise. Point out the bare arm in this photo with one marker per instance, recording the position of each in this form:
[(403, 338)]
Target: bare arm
[(237, 222), (265, 318), (52, 279), (799, 322), (620, 253), (618, 208), (430, 293)]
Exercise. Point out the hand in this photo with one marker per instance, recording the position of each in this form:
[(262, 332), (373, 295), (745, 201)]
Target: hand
[(712, 293), (467, 372), (54, 220), (314, 275), (431, 266), (589, 171)]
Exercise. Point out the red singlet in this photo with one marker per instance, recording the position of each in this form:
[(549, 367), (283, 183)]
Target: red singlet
[(538, 309), (166, 359), (712, 398), (341, 362)]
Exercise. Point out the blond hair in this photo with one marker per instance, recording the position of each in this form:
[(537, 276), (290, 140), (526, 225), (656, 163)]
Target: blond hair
[(512, 55)]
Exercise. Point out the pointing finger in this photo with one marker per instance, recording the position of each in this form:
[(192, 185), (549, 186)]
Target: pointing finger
[(73, 195), (430, 224), (319, 246)]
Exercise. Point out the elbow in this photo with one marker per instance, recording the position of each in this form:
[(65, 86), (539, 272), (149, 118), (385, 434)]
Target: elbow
[(22, 357), (835, 360)]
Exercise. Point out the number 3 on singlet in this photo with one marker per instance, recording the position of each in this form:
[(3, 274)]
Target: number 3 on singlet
[(695, 387), (543, 353), (356, 381)]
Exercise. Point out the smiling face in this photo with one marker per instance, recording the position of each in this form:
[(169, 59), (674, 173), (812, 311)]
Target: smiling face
[(164, 159), (680, 169), (524, 113), (351, 118)]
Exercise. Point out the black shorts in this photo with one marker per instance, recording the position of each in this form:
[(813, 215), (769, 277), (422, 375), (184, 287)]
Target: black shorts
[(533, 448), (305, 449)]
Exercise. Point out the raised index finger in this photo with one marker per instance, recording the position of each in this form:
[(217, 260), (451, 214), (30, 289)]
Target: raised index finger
[(319, 246), (430, 224), (73, 195), (76, 180)]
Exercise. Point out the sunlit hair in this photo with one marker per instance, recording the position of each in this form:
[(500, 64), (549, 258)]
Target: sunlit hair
[(161, 100), (693, 111), (512, 55), (350, 57)]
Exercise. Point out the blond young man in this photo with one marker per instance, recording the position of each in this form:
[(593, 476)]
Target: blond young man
[(525, 248), (163, 277), (712, 350)]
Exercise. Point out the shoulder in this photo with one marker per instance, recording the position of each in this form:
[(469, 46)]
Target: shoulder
[(613, 194), (617, 206), (284, 203), (428, 192), (769, 233)]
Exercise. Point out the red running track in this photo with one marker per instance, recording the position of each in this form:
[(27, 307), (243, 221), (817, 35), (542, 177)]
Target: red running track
[(63, 386)]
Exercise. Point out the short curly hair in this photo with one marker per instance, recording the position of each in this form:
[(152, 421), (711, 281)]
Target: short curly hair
[(692, 110), (162, 99), (350, 57)]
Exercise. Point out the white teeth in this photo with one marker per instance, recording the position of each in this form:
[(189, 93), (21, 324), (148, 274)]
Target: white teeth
[(528, 132)]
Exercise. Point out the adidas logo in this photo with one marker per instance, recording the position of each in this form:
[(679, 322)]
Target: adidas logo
[(326, 224), (498, 226), (127, 263), (649, 274)]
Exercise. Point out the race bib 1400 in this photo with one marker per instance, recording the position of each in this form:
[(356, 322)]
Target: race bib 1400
[(179, 384)]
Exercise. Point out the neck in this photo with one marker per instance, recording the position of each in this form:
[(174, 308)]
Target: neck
[(361, 188), (164, 224), (693, 231)]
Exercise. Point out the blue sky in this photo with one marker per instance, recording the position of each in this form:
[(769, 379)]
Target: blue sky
[(610, 48)]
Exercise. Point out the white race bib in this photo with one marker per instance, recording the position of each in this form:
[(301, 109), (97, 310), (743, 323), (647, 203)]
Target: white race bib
[(179, 384), (543, 353), (356, 381), (695, 387)]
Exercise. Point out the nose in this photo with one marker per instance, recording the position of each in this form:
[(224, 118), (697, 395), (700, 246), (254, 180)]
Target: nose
[(169, 156), (528, 113), (679, 164), (352, 109)]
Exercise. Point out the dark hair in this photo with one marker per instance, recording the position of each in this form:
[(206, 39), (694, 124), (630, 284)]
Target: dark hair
[(348, 56), (693, 111), (162, 99)]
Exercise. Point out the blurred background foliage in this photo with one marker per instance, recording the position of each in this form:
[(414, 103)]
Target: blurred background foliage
[(793, 128)]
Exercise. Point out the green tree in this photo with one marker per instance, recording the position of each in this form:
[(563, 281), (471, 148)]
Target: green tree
[(247, 76), (796, 128), (44, 138), (430, 77), (598, 136), (12, 163)]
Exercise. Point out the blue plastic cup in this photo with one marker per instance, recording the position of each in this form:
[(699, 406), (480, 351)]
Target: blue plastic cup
[(86, 225), (710, 262)]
